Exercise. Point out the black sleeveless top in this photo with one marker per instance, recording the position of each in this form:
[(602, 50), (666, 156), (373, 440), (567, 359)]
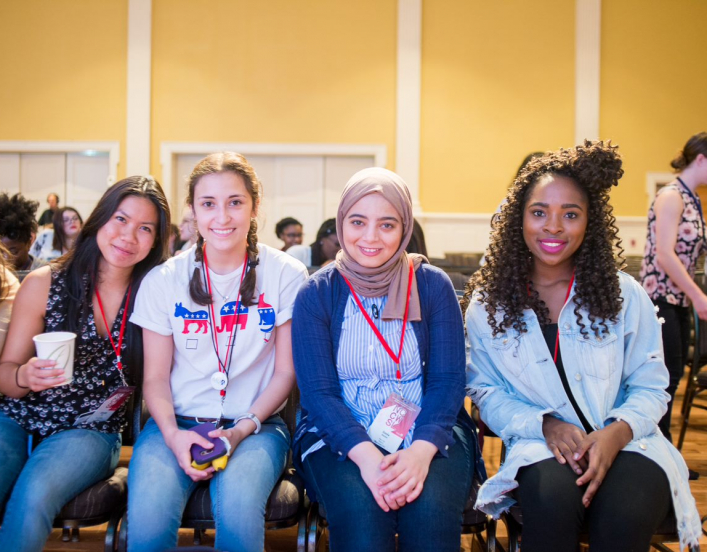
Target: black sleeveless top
[(95, 375)]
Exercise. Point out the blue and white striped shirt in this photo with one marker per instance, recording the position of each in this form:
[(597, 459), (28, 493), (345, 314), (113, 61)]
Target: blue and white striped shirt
[(366, 371)]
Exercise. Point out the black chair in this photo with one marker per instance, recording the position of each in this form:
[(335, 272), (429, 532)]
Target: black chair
[(697, 381), (287, 505), (667, 532), (103, 502)]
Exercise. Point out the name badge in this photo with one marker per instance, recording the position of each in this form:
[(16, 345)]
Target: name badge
[(109, 407), (393, 422)]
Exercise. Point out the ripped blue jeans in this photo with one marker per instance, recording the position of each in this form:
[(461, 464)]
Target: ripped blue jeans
[(159, 489), (35, 488)]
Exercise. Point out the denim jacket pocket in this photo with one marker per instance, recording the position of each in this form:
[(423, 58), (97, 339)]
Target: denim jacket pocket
[(599, 354), (510, 351)]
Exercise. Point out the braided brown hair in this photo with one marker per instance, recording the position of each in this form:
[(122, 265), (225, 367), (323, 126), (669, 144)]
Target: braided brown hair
[(504, 282), (237, 164)]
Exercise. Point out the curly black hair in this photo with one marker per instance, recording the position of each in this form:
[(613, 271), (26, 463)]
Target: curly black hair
[(284, 223), (504, 282), (17, 217)]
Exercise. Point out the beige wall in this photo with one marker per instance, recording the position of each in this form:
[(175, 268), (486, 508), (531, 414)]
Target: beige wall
[(497, 81), (63, 66), (274, 71), (653, 85)]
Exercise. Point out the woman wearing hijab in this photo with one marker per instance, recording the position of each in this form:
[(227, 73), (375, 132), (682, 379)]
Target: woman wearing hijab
[(384, 442)]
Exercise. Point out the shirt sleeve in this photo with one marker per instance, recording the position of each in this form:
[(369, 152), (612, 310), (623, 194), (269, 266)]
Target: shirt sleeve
[(151, 307), (644, 377), (317, 376), (443, 393), (292, 277)]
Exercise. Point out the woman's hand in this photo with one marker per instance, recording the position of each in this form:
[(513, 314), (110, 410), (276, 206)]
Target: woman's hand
[(234, 434), (39, 375), (405, 471), (180, 441), (562, 439), (368, 459), (601, 446), (699, 302)]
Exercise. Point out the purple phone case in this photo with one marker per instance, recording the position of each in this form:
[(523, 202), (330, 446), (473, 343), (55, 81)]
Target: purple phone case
[(201, 455)]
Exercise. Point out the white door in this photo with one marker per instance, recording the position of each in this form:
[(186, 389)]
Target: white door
[(42, 174), (86, 181)]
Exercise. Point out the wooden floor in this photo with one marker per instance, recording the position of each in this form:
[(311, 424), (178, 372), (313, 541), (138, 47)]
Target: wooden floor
[(285, 540)]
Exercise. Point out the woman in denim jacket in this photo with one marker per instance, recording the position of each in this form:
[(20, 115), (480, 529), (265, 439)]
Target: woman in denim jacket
[(579, 417)]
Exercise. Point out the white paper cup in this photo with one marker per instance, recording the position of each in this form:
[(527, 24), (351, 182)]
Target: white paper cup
[(57, 346)]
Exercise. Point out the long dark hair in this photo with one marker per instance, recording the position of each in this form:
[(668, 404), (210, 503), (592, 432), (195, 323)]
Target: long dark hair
[(504, 281), (80, 264), (60, 239), (221, 163), (696, 145), (327, 228)]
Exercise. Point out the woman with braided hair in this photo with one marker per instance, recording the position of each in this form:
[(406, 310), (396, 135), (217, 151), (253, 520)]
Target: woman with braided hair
[(216, 325), (565, 364)]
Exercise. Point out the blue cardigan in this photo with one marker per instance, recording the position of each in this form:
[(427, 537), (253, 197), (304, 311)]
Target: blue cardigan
[(316, 329)]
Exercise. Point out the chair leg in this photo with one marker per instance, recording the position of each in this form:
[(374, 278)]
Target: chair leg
[(313, 528), (65, 534), (111, 542), (302, 530), (490, 534), (689, 397)]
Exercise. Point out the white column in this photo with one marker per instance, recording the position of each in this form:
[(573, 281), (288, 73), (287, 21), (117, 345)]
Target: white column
[(407, 141), (137, 150), (587, 67)]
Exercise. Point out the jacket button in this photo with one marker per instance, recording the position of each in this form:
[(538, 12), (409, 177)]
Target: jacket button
[(578, 377), (446, 447), (340, 454), (567, 326), (642, 446)]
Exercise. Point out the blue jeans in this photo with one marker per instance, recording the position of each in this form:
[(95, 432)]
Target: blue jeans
[(356, 522), (39, 486), (159, 489)]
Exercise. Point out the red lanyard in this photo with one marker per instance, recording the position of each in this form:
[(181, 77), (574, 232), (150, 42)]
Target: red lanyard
[(376, 331), (557, 341), (122, 327), (222, 366)]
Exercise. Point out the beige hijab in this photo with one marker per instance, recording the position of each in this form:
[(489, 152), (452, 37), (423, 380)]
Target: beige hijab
[(392, 277)]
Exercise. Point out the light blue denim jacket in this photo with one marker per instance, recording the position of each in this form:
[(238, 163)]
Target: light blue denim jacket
[(619, 376)]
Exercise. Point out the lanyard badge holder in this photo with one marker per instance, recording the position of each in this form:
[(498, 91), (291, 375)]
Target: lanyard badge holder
[(116, 399), (395, 419), (217, 457)]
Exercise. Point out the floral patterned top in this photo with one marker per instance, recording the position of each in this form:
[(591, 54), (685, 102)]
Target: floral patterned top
[(96, 375), (689, 246)]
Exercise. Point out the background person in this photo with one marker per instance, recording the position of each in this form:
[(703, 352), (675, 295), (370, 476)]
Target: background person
[(676, 239), (47, 217), (54, 242), (323, 250), (289, 230), (18, 228)]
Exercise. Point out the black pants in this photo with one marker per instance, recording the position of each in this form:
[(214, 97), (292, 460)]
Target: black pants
[(676, 340), (627, 509)]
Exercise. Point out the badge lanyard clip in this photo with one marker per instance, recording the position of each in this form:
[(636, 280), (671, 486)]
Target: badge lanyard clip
[(376, 331)]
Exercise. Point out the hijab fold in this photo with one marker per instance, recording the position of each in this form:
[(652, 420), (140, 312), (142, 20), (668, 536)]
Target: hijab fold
[(391, 278)]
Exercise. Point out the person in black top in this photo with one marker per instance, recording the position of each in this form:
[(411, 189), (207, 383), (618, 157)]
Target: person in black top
[(48, 214)]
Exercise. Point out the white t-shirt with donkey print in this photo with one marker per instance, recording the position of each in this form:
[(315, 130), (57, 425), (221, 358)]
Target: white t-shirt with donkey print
[(163, 305)]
